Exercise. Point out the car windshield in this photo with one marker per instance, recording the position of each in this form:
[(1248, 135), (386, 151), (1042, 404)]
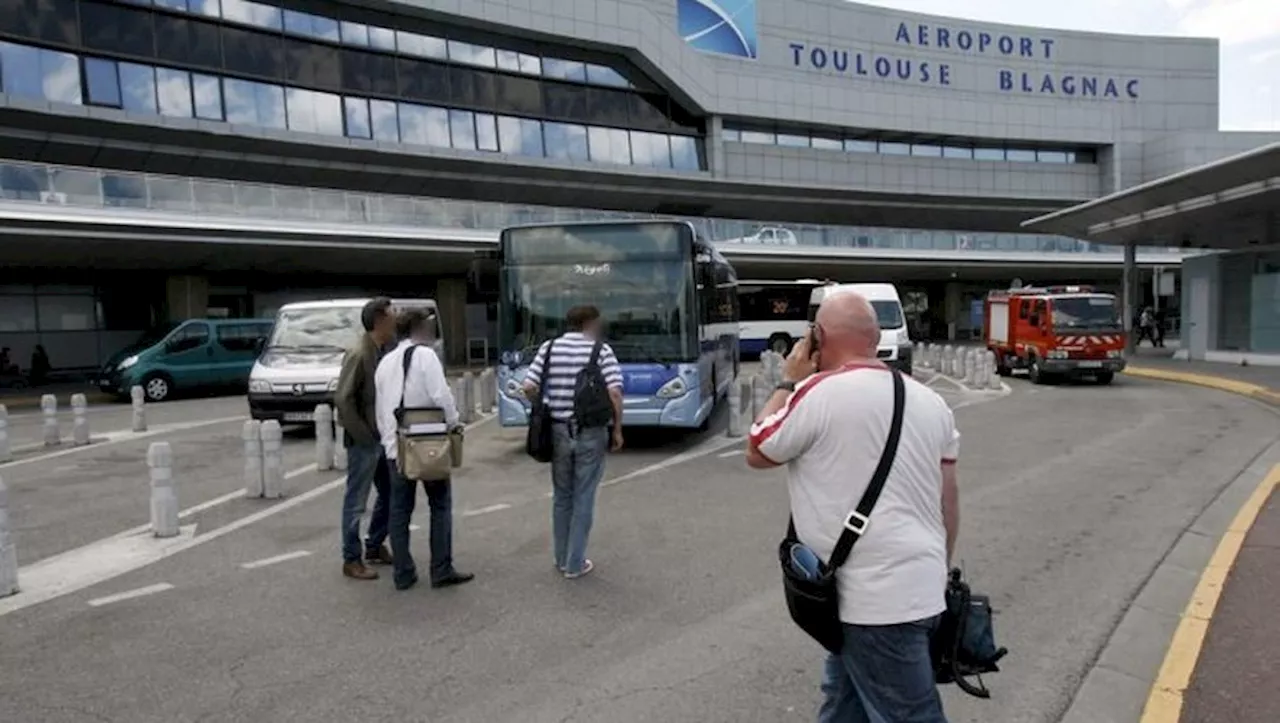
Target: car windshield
[(888, 314), (316, 329), (151, 337), (1085, 312)]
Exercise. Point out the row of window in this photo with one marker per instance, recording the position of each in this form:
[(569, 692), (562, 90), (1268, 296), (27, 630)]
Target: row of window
[(966, 151), (58, 17), (51, 75), (134, 34)]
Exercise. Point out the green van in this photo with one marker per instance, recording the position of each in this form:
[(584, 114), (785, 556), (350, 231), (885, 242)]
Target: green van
[(189, 355)]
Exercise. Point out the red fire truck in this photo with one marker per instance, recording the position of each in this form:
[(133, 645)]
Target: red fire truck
[(1055, 331)]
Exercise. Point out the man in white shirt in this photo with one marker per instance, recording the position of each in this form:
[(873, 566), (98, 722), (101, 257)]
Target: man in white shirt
[(828, 422), (425, 385)]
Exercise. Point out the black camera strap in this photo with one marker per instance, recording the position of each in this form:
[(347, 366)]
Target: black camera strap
[(855, 524)]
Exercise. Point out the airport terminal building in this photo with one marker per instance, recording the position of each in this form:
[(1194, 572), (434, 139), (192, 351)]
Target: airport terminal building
[(168, 159)]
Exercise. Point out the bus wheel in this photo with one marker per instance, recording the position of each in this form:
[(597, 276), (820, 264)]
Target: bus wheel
[(780, 344)]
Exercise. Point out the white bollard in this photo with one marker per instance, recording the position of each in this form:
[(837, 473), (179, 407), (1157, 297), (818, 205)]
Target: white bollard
[(324, 437), (139, 401), (339, 443), (970, 366), (49, 406), (6, 449), (80, 425), (993, 382), (926, 359), (272, 460), (486, 389), (761, 390), (164, 497), (468, 398), (735, 408), (8, 552), (252, 436), (980, 370), (944, 364)]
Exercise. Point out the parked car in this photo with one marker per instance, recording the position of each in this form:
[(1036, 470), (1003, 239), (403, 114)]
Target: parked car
[(187, 356)]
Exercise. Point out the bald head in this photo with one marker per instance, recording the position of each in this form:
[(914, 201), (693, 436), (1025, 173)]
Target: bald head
[(849, 328)]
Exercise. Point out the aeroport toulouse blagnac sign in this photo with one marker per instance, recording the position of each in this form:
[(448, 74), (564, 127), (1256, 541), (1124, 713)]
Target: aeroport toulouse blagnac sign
[(902, 67)]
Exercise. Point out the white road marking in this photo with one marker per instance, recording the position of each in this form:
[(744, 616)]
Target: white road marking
[(486, 510), (273, 560), (113, 438), (129, 595), (125, 552), (730, 453), (701, 450)]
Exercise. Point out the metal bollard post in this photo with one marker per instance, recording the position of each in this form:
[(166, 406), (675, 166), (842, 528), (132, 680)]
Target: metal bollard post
[(139, 408), (469, 397), (8, 552), (339, 443), (324, 437), (6, 449), (735, 409), (49, 406), (993, 382), (252, 436), (272, 460), (80, 425), (164, 497)]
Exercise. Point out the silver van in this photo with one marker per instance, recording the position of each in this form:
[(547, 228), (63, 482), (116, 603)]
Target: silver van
[(300, 362)]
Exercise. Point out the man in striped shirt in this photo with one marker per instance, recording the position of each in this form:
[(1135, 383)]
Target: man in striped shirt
[(577, 463)]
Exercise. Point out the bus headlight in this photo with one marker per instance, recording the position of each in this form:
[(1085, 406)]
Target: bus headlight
[(674, 388), (512, 389), (259, 386)]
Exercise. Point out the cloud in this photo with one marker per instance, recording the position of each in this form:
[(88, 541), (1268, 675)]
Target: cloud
[(1263, 56), (1233, 21)]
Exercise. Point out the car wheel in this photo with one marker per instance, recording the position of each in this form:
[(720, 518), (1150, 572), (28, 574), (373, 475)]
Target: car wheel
[(157, 387)]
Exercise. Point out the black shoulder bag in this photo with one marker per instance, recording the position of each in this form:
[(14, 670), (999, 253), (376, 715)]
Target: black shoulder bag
[(539, 440), (814, 602)]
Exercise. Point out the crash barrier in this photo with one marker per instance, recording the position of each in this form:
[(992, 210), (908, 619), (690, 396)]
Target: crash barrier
[(49, 406), (252, 437), (8, 552), (339, 443), (164, 496), (6, 449), (80, 420), (323, 417), (993, 380), (139, 401), (272, 460)]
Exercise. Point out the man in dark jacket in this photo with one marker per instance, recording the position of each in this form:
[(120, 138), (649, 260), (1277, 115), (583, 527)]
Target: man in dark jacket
[(354, 402)]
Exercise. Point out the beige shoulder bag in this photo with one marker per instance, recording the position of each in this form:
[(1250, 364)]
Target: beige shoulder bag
[(425, 447)]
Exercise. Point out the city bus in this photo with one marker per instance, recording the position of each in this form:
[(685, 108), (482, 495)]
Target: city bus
[(774, 314), (669, 302)]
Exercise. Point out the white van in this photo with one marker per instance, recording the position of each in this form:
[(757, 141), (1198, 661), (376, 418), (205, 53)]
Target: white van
[(895, 343), (300, 362)]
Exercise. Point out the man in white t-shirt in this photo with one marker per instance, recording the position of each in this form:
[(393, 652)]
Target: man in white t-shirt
[(828, 422)]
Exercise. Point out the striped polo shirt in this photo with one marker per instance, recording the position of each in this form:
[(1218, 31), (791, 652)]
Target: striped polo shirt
[(568, 357)]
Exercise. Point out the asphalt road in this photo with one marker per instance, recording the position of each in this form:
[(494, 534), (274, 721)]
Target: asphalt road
[(1071, 496)]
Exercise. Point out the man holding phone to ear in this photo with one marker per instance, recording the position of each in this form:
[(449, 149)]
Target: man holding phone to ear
[(828, 422)]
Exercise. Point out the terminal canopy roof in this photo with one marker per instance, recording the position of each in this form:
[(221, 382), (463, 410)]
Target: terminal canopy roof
[(1232, 203)]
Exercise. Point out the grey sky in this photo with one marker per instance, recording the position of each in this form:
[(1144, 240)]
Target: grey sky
[(1249, 31)]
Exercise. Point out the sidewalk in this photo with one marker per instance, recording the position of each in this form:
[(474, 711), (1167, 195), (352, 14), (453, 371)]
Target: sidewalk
[(1261, 383)]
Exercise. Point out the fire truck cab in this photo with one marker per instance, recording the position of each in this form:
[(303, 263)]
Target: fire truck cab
[(1055, 331)]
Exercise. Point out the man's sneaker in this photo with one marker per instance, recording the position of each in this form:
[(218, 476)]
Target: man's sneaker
[(453, 578), (357, 571), (587, 566), (379, 555)]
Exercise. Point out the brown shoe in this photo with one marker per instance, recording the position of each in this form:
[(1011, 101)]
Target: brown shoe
[(379, 555), (357, 571)]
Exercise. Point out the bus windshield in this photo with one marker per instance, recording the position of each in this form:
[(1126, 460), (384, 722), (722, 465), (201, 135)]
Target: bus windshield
[(1085, 312), (638, 275)]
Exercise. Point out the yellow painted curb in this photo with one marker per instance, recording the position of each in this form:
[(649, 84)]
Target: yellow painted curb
[(1164, 704), (1234, 386)]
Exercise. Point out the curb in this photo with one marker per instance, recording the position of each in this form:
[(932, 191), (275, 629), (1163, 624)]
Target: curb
[(1234, 386), (1146, 659), (32, 401)]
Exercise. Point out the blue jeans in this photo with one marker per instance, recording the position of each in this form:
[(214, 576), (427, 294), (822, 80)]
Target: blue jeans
[(576, 468), (364, 469), (404, 494), (883, 675)]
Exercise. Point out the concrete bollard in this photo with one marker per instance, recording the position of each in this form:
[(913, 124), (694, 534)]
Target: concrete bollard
[(252, 437), (487, 390), (970, 366), (339, 443), (80, 425), (49, 406), (944, 361), (164, 497), (993, 382), (735, 408), (469, 397), (926, 357), (139, 401), (8, 552), (324, 437), (6, 448), (272, 460), (980, 370), (761, 390)]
